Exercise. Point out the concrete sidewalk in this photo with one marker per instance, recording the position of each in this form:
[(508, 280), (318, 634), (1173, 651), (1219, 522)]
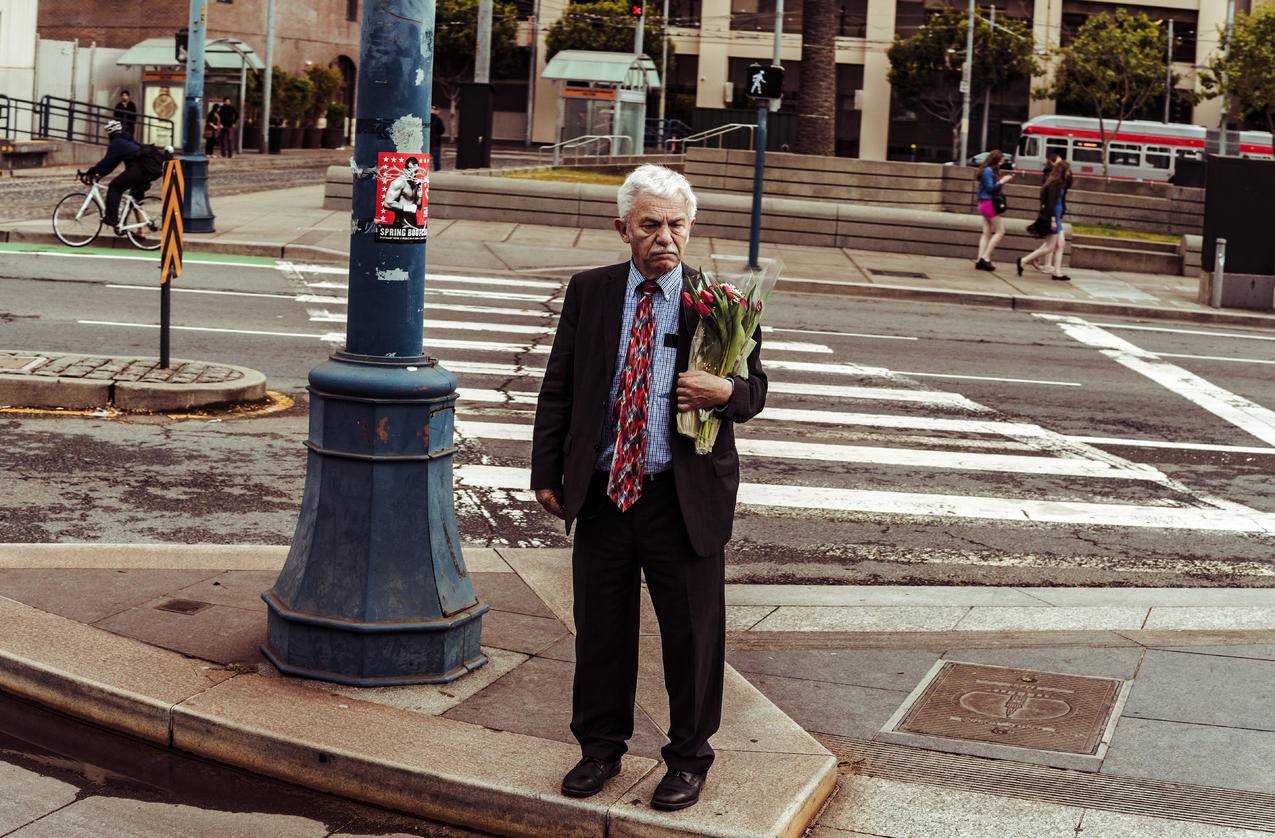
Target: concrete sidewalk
[(161, 641), (290, 224)]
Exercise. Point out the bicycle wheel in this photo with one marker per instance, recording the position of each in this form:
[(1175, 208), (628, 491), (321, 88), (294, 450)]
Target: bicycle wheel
[(146, 212), (73, 227)]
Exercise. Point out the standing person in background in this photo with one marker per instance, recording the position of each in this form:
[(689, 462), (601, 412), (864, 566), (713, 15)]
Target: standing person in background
[(229, 116), (990, 206), (126, 113), (212, 130), (1052, 206), (436, 129)]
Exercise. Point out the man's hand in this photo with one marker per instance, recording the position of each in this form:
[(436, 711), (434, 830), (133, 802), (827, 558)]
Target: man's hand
[(551, 500), (699, 390)]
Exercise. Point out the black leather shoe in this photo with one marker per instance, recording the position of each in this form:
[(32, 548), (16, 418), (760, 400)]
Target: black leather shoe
[(589, 776), (678, 790)]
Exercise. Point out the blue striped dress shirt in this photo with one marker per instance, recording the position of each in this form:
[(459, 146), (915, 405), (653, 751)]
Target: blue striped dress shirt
[(660, 406)]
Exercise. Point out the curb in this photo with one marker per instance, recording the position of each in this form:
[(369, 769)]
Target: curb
[(227, 247), (132, 396)]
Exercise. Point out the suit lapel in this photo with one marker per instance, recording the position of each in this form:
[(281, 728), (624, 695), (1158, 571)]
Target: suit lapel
[(612, 315)]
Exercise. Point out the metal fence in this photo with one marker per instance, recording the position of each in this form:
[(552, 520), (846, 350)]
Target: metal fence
[(55, 118)]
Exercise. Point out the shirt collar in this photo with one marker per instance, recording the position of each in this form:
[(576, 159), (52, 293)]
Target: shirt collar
[(670, 283)]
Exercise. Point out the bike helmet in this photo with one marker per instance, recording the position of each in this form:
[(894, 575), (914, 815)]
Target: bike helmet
[(114, 127)]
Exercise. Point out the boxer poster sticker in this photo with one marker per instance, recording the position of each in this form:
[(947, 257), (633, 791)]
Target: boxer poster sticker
[(402, 196)]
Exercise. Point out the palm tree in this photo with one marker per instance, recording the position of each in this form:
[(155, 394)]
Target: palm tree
[(817, 104)]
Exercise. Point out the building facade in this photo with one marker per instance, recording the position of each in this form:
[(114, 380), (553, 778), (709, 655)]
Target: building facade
[(716, 40)]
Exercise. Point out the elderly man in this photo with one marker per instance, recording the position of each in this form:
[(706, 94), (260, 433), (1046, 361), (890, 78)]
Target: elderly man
[(606, 456)]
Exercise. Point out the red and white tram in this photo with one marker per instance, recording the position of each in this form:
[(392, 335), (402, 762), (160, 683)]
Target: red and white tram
[(1140, 150)]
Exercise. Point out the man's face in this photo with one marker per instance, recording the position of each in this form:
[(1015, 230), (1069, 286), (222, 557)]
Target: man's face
[(656, 232), (410, 168), (124, 98)]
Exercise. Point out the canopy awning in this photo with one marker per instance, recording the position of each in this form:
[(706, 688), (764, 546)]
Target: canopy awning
[(623, 69), (219, 54)]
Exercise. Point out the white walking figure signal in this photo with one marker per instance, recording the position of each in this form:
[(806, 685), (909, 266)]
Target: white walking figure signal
[(759, 78)]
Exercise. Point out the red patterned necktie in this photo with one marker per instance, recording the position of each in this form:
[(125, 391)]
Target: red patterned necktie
[(624, 486)]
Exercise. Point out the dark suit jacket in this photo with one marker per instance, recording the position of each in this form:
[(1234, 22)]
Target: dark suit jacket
[(571, 412)]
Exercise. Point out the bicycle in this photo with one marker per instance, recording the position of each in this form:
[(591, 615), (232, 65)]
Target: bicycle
[(78, 217)]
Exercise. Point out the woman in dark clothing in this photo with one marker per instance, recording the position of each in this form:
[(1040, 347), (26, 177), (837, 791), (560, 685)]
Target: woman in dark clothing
[(1053, 194), (990, 183), (212, 130)]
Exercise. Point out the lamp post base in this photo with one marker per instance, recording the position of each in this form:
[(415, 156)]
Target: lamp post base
[(375, 590), (373, 654), (197, 214)]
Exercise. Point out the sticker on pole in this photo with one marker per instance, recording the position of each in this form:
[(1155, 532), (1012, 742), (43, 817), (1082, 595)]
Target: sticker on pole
[(402, 196)]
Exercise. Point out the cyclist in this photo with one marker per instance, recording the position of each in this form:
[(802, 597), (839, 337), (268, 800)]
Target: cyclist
[(122, 149)]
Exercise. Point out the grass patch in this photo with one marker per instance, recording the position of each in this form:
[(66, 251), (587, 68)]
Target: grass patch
[(1118, 233), (562, 175)]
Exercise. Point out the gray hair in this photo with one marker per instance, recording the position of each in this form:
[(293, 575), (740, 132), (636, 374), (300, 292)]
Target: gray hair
[(659, 181)]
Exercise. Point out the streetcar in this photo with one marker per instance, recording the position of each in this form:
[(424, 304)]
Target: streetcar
[(1140, 150)]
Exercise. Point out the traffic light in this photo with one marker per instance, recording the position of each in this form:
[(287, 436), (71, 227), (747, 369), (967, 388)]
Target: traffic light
[(181, 44), (635, 9), (765, 82)]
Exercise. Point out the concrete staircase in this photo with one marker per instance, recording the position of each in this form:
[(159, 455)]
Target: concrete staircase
[(1105, 253)]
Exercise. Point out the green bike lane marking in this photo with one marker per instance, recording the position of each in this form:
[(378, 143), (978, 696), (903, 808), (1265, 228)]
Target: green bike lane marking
[(122, 253)]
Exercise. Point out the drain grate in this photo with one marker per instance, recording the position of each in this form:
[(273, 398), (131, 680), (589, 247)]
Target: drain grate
[(182, 606), (900, 274), (1126, 795)]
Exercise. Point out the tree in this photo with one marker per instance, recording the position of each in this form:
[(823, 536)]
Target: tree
[(817, 102), (1115, 65), (925, 68), (456, 44), (606, 26), (1247, 73), (327, 84)]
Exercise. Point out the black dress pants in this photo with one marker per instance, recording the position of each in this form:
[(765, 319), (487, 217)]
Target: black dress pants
[(133, 178), (612, 551)]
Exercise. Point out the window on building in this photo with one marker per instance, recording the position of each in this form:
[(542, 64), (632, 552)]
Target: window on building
[(1087, 152), (1158, 156), (759, 16), (1124, 154), (351, 9)]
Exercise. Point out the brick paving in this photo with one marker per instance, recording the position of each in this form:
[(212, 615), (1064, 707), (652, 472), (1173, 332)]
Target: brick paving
[(105, 368)]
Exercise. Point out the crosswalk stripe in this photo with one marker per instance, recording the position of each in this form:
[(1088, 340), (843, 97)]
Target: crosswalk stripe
[(874, 455), (860, 371), (334, 270), (453, 292), (1017, 510)]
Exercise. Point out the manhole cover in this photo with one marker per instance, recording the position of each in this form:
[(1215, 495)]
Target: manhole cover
[(902, 274), (1022, 714), (182, 606)]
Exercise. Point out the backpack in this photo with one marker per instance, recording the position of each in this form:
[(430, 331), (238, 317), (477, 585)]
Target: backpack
[(152, 159)]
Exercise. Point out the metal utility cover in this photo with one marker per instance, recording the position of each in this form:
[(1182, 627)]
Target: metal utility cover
[(1049, 718), (182, 606)]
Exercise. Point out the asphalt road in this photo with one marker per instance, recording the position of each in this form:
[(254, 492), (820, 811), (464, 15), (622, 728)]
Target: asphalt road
[(902, 442)]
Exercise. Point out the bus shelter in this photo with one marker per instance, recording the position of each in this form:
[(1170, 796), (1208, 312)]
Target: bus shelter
[(603, 95), (226, 61)]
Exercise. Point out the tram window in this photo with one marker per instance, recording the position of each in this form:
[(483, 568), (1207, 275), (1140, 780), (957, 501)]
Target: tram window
[(1059, 146), (1188, 154), (1124, 154), (1029, 146), (1158, 157), (1087, 152)]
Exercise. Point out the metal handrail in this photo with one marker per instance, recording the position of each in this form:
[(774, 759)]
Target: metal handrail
[(53, 117), (585, 140), (717, 133)]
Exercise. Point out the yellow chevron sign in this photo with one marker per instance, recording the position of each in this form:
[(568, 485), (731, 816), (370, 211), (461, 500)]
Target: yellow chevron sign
[(170, 256)]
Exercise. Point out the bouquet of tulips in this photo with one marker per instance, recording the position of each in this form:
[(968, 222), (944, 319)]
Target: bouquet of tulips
[(728, 316)]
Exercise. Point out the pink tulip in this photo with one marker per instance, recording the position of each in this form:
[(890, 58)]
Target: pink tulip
[(706, 296), (702, 309), (687, 300)]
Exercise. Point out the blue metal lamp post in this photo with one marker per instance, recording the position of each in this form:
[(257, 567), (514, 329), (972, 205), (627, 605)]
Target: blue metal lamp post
[(197, 215), (375, 591)]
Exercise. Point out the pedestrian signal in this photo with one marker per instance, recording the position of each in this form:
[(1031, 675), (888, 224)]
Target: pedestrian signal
[(765, 82), (635, 9)]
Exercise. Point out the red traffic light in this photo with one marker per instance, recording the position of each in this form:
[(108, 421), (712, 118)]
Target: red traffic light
[(635, 9)]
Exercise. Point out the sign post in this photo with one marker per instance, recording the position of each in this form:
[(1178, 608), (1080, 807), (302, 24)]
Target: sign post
[(170, 254), (765, 85)]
